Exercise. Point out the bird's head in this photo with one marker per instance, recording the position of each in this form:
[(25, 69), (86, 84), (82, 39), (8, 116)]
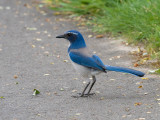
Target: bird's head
[(75, 38)]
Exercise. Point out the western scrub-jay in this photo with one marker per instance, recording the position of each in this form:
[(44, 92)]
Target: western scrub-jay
[(86, 63)]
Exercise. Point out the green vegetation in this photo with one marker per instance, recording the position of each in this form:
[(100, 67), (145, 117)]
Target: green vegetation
[(137, 20), (158, 71)]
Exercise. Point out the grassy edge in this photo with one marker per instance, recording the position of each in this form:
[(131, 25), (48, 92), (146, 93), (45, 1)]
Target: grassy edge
[(92, 22)]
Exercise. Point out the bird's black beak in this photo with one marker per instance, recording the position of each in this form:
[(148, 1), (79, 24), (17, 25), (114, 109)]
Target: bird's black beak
[(60, 36)]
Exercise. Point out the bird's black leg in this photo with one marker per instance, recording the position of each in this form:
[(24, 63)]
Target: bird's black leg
[(82, 94), (94, 80), (88, 93)]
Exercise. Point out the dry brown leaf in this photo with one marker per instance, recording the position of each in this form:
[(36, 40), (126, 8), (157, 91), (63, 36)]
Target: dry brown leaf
[(136, 64), (140, 86), (99, 36), (57, 13), (33, 46), (137, 104), (15, 76), (27, 5), (102, 98), (47, 20), (144, 78)]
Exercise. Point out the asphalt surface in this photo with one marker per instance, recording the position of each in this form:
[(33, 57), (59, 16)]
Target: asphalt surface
[(32, 58)]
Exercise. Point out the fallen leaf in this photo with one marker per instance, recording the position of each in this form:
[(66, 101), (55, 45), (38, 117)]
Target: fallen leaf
[(46, 74), (61, 89), (137, 104), (65, 60), (124, 116), (33, 46), (52, 63), (39, 114), (2, 97), (138, 83), (158, 99), (127, 44), (38, 39), (136, 64), (74, 90), (102, 98), (56, 13), (78, 114), (140, 86), (118, 56), (152, 71), (28, 28), (38, 32), (48, 93), (94, 52), (27, 5), (42, 47), (145, 93), (43, 12), (141, 118), (99, 36), (145, 54), (148, 112), (40, 5), (89, 36), (84, 82), (35, 92), (15, 76), (46, 52), (47, 20), (144, 78), (97, 92)]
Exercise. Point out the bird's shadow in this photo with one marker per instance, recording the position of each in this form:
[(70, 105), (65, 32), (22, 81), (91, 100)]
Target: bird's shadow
[(118, 96)]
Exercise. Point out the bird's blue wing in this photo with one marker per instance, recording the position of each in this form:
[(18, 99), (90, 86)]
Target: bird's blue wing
[(99, 61), (91, 62)]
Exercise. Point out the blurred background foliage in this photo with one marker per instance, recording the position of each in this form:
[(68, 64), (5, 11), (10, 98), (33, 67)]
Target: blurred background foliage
[(136, 20)]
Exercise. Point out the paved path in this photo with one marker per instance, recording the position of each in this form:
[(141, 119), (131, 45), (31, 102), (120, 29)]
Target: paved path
[(32, 58)]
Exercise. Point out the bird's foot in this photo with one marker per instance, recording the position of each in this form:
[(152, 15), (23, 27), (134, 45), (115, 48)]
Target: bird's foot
[(83, 95)]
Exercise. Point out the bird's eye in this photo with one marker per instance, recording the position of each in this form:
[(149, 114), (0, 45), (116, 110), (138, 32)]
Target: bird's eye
[(69, 34)]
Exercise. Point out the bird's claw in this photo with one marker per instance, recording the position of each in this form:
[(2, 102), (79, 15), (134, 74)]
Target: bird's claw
[(83, 95)]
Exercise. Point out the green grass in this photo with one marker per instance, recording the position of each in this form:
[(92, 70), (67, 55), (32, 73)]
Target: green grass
[(157, 71), (137, 20)]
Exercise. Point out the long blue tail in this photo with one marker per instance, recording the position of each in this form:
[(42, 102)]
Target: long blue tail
[(125, 70)]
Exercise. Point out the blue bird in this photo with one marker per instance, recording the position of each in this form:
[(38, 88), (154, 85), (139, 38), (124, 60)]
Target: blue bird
[(88, 64)]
